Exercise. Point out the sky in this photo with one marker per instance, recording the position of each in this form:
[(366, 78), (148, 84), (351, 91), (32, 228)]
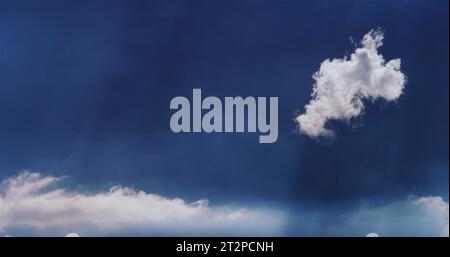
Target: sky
[(85, 139)]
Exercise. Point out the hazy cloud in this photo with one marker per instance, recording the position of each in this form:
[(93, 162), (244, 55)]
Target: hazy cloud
[(415, 216), (30, 203), (342, 85)]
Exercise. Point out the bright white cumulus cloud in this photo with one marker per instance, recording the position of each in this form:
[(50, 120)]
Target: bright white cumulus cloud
[(32, 203), (342, 85)]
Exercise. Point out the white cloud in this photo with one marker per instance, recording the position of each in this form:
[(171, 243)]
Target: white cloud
[(30, 203), (72, 235), (342, 85), (372, 235), (415, 216)]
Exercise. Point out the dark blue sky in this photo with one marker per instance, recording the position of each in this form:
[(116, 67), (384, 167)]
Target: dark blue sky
[(85, 88)]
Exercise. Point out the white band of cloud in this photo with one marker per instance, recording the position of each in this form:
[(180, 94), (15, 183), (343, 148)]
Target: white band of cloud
[(342, 85), (29, 203)]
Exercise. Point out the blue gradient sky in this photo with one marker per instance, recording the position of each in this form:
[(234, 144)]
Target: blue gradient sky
[(85, 88)]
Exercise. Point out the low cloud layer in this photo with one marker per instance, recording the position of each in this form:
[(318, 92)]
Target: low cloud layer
[(342, 85), (30, 204), (415, 216)]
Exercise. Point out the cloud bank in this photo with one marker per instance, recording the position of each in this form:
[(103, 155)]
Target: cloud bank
[(342, 85), (30, 204), (415, 216)]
